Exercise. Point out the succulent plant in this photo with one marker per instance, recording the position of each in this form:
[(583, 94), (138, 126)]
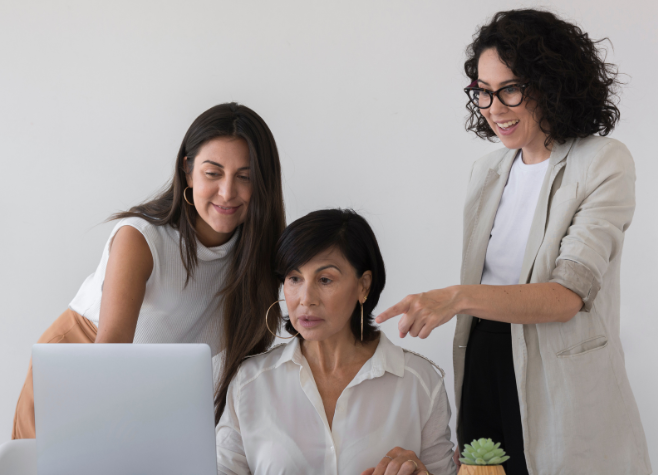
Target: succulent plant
[(483, 452)]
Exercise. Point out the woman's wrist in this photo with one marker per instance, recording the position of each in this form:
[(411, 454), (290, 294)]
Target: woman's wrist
[(461, 298)]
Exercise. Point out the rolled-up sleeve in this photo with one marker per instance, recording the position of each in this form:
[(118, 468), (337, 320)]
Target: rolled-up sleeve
[(596, 233)]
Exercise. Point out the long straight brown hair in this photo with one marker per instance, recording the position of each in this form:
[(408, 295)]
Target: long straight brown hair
[(250, 286)]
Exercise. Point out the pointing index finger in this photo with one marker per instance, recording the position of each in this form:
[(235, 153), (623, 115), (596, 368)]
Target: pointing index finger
[(397, 309)]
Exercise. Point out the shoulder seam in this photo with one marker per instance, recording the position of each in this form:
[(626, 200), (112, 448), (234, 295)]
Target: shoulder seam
[(433, 397), (601, 151), (420, 380), (253, 378), (265, 352), (443, 374), (263, 370)]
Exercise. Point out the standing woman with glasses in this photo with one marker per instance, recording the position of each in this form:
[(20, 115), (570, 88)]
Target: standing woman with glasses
[(538, 359), (193, 265)]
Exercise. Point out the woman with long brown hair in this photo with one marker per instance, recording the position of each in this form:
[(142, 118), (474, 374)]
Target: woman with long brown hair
[(193, 265)]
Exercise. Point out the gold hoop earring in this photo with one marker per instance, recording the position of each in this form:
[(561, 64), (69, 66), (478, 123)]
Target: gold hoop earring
[(185, 197), (268, 327), (364, 301)]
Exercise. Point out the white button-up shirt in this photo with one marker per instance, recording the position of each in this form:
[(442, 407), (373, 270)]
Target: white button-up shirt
[(275, 422)]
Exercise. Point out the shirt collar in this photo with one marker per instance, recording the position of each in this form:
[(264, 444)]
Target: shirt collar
[(292, 352), (387, 358), (560, 151)]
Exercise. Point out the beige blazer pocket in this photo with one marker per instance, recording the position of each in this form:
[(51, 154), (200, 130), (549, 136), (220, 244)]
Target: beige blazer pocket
[(584, 347), (565, 193)]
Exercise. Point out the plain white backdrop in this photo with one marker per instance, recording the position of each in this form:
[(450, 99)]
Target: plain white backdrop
[(364, 99)]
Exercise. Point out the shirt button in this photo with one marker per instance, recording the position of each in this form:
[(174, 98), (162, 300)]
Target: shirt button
[(332, 448)]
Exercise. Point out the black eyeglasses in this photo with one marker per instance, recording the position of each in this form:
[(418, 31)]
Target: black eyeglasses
[(511, 95)]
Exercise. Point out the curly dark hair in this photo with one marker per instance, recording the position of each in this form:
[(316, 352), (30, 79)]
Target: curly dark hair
[(575, 91)]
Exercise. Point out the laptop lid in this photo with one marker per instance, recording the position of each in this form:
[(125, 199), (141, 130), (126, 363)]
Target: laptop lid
[(124, 409)]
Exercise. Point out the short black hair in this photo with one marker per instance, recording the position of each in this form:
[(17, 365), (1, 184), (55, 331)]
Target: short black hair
[(351, 234), (575, 90)]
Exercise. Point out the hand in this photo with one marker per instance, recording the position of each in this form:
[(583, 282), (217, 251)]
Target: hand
[(398, 462), (455, 457), (422, 313)]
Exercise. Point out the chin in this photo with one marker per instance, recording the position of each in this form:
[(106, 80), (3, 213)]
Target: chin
[(510, 143), (313, 334), (225, 228), (224, 224)]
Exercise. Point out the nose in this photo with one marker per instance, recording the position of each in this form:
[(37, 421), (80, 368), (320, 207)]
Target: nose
[(497, 107), (308, 296), (227, 189)]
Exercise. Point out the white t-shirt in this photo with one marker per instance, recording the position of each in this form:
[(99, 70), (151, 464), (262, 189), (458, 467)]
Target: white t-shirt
[(509, 236), (275, 422)]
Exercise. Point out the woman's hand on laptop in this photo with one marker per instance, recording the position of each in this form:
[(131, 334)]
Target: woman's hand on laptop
[(398, 462)]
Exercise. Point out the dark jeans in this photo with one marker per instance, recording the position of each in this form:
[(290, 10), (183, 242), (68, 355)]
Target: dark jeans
[(490, 402)]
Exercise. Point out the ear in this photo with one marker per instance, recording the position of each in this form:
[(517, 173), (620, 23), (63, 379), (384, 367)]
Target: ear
[(364, 285), (188, 176)]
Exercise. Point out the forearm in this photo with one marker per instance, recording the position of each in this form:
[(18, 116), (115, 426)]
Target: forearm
[(524, 303), (116, 333), (527, 303), (120, 306)]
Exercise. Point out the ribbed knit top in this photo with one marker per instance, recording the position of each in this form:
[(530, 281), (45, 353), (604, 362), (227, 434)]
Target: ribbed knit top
[(171, 312)]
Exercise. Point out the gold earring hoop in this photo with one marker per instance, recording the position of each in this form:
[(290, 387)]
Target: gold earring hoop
[(185, 197), (364, 301), (268, 326)]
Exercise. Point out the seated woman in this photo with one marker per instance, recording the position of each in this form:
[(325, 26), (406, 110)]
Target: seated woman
[(340, 398)]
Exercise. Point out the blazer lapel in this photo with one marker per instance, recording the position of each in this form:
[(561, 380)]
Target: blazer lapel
[(490, 195), (556, 162), (476, 240)]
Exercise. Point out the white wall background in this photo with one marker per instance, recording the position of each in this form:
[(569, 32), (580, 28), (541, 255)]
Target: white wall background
[(364, 98)]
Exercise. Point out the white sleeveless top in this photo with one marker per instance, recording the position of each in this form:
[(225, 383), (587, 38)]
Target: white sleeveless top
[(171, 312)]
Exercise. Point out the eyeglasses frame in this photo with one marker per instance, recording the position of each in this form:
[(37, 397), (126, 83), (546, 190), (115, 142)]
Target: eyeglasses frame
[(496, 94)]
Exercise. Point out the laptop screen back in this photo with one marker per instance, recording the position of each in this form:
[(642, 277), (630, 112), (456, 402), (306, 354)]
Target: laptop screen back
[(124, 409)]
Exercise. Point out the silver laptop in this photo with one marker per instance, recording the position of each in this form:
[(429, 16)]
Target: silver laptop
[(124, 409)]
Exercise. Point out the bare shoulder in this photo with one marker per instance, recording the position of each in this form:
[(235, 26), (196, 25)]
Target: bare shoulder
[(130, 248), (128, 235)]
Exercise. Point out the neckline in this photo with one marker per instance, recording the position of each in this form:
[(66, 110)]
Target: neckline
[(530, 166), (218, 252)]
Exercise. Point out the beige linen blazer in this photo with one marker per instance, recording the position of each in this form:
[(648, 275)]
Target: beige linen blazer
[(578, 412)]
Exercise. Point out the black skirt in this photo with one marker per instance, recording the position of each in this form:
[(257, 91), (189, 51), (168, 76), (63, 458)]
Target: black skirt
[(490, 401)]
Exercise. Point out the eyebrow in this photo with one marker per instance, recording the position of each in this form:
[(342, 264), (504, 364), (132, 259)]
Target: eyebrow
[(327, 267), (502, 83), (296, 269), (222, 166)]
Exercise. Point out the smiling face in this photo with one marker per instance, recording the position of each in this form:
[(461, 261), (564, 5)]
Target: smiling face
[(516, 127), (221, 188), (321, 296)]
